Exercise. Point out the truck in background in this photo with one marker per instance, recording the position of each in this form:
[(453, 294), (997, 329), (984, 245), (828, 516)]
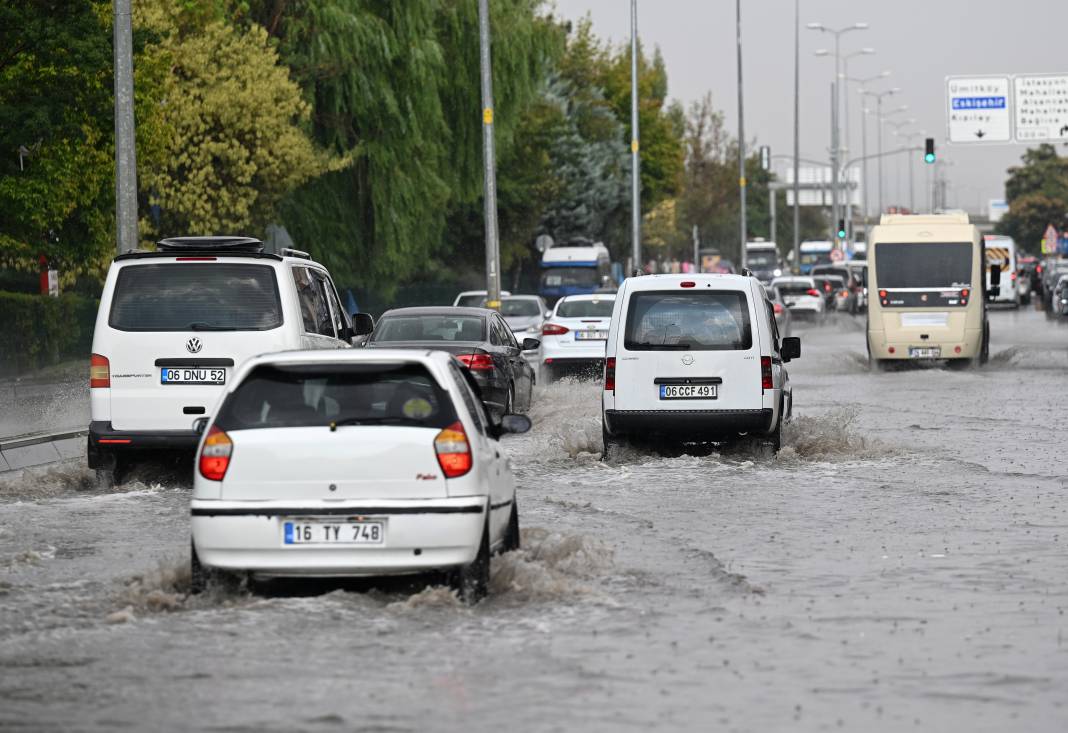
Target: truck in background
[(577, 268)]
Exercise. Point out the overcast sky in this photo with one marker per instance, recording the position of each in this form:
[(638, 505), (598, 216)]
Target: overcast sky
[(920, 41)]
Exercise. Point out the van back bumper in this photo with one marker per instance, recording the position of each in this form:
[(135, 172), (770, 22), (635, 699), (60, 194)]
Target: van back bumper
[(694, 425), (105, 442)]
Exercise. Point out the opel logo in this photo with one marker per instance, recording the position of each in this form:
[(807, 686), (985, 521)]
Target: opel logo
[(687, 360), (193, 345)]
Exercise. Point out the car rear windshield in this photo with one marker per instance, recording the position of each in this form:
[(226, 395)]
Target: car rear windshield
[(523, 307), (585, 309), (926, 265), (196, 297), (430, 328), (711, 320), (471, 301), (282, 396), (795, 288)]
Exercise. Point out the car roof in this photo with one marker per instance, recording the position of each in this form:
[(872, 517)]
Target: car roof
[(439, 310), (587, 296), (521, 297), (347, 356), (724, 281)]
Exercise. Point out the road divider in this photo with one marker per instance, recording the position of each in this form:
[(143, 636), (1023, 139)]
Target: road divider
[(36, 449)]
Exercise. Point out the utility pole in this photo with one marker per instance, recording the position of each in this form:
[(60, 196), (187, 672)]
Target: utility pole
[(635, 160), (772, 193), (834, 161), (489, 160), (797, 136), (125, 146), (741, 140), (696, 249)]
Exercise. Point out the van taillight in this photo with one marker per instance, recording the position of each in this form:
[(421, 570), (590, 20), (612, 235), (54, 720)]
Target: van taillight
[(99, 371), (687, 284), (453, 450), (610, 374), (765, 373), (215, 455)]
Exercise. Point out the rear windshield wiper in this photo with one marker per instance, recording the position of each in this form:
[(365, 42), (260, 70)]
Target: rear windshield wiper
[(200, 326), (375, 421), (647, 345)]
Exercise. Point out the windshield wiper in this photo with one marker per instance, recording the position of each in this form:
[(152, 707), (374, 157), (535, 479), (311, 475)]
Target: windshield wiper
[(374, 421), (201, 326), (647, 345)]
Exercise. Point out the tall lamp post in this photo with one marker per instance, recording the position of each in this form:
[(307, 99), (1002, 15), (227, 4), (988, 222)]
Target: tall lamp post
[(909, 137), (797, 136), (883, 118), (862, 80), (635, 162), (849, 150), (878, 96), (125, 149), (489, 161), (836, 103), (741, 141)]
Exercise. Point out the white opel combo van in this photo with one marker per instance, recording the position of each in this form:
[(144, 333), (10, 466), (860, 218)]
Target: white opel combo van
[(695, 359), (175, 323)]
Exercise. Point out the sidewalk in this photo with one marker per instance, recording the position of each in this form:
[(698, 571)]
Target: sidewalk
[(50, 400)]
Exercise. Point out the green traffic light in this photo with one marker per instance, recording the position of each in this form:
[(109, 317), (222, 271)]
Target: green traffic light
[(929, 158), (841, 234)]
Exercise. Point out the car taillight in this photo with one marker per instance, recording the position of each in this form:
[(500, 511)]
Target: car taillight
[(99, 371), (687, 284), (476, 362), (215, 455), (610, 374), (813, 292), (777, 308), (1012, 276), (844, 293), (964, 293), (1039, 269), (882, 293), (765, 373), (554, 329), (827, 287), (454, 452)]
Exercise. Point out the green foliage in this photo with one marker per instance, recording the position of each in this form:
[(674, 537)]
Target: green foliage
[(37, 330), (1037, 194)]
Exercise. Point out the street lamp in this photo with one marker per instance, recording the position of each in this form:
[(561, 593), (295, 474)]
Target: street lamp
[(835, 103), (909, 137), (635, 161), (862, 80), (879, 121)]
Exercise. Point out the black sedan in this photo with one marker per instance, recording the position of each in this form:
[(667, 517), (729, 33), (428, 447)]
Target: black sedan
[(478, 337)]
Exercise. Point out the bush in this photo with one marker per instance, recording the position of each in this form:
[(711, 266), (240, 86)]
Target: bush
[(37, 331)]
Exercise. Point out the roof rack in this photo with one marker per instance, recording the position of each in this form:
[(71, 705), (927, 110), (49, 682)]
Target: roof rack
[(290, 252), (210, 244)]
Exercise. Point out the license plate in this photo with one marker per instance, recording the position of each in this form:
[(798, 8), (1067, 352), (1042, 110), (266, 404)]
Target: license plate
[(591, 335), (688, 391), (315, 532), (184, 375), (925, 352)]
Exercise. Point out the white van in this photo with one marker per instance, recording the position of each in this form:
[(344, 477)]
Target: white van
[(695, 359), (1001, 252), (175, 323)]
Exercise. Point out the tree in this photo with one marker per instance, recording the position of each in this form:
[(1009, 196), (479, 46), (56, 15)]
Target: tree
[(1037, 194)]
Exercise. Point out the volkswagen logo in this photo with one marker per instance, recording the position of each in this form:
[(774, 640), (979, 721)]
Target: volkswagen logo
[(193, 345), (687, 360)]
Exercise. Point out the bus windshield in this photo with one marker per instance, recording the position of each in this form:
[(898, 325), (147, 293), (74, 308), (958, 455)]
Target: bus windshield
[(556, 277), (925, 265), (761, 258)]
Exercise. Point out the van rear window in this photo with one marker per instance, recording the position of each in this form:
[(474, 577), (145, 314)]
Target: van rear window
[(931, 265), (196, 297), (309, 395), (709, 320)]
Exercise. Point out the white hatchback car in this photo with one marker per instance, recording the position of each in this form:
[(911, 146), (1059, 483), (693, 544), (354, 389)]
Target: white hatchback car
[(802, 296), (353, 463), (573, 339), (695, 359), (173, 325)]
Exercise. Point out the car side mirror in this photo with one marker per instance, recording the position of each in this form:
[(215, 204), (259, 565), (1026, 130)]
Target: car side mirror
[(362, 324), (200, 425), (790, 348), (514, 424), (530, 344)]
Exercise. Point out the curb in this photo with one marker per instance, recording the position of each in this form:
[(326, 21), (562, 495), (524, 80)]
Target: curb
[(36, 449)]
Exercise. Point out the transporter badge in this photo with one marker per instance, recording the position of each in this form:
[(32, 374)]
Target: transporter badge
[(193, 345)]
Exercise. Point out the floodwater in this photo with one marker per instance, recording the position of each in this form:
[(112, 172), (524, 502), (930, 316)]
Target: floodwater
[(900, 565)]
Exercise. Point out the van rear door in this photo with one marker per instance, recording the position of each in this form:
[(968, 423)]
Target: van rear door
[(688, 349), (176, 330)]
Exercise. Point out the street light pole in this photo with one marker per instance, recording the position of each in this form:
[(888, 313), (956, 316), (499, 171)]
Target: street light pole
[(844, 78), (489, 160), (797, 135), (635, 161), (741, 140), (125, 146)]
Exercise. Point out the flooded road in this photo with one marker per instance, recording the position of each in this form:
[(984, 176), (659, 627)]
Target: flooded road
[(901, 564)]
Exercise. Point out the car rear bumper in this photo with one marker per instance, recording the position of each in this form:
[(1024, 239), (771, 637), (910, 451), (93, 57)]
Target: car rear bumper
[(105, 440), (420, 535), (689, 424)]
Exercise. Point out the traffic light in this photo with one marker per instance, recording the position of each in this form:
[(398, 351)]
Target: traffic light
[(929, 154), (841, 229)]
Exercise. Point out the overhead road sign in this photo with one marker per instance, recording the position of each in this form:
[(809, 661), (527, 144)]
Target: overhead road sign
[(1041, 109), (978, 109)]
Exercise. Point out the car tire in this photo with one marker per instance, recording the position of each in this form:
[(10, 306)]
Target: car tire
[(200, 577), (471, 581), (511, 532), (772, 442), (105, 479), (984, 350), (610, 445)]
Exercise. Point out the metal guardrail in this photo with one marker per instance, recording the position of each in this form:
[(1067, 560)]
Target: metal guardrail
[(37, 449)]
